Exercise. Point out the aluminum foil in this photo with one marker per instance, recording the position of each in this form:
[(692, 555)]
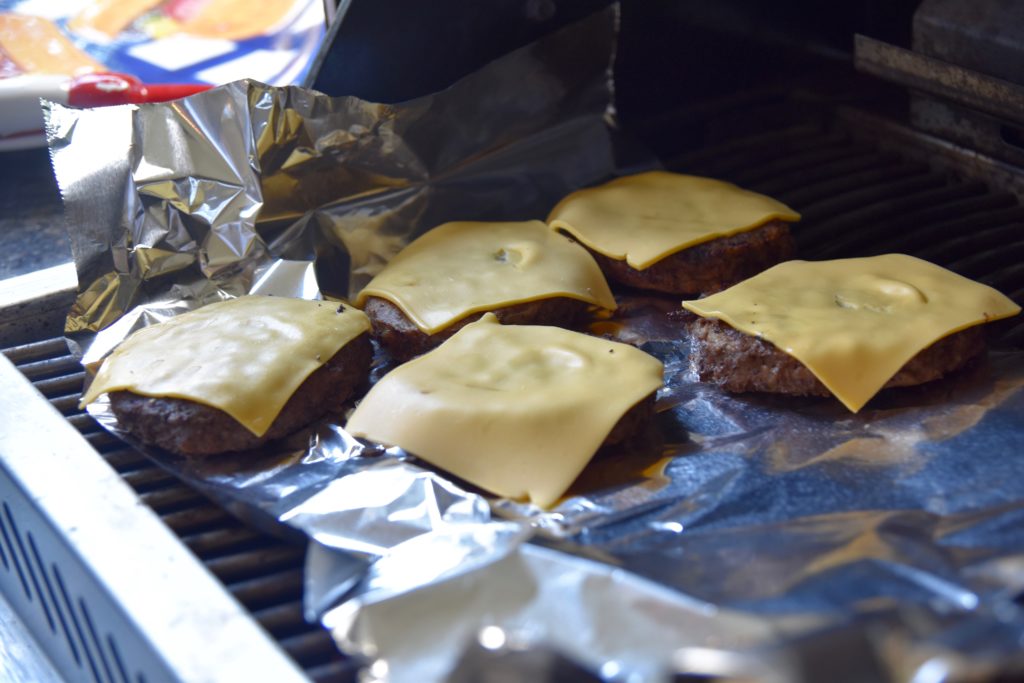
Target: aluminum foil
[(203, 197), (735, 523)]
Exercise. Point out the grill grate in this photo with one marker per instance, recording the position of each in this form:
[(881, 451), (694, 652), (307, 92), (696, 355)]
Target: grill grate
[(856, 201)]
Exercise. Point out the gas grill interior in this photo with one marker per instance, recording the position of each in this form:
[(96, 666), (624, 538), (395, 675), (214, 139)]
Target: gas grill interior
[(798, 123)]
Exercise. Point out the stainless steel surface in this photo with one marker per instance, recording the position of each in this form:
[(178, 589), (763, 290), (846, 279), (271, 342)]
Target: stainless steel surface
[(942, 79), (33, 235), (33, 305), (966, 107), (941, 153), (102, 584), (21, 659), (972, 130), (986, 37), (983, 35)]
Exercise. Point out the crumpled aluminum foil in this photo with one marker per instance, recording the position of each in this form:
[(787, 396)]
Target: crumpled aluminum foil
[(763, 516), (205, 197)]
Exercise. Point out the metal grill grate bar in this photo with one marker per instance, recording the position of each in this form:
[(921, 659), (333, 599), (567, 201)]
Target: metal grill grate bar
[(37, 351), (962, 236), (1006, 278), (148, 479), (270, 590), (251, 563), (921, 215), (986, 263), (53, 367), (725, 159), (859, 207), (796, 164), (824, 180), (171, 499), (61, 386), (119, 456), (83, 423), (945, 224), (333, 672), (282, 620), (67, 405), (209, 544), (825, 186), (309, 649), (193, 520)]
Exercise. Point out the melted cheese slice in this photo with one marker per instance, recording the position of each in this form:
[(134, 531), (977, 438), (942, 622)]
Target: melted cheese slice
[(515, 409), (855, 322), (645, 217), (245, 356), (461, 268)]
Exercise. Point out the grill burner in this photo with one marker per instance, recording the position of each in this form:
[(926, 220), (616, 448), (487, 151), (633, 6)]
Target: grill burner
[(857, 199)]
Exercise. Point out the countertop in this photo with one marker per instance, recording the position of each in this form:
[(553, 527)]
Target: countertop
[(32, 231)]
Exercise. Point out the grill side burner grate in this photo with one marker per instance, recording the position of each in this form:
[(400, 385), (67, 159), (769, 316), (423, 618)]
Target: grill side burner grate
[(856, 200)]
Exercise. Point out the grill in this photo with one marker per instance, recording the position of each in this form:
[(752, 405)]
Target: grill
[(863, 187), (856, 200)]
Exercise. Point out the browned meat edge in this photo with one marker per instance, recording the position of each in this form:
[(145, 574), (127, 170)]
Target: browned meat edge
[(710, 266), (190, 428), (632, 422), (404, 340), (739, 362)]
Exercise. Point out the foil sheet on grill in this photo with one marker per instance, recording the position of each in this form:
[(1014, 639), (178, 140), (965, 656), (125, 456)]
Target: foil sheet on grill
[(739, 524)]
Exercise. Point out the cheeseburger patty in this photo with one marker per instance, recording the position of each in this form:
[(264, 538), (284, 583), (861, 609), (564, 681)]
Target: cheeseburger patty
[(632, 423), (739, 362), (709, 266), (191, 428), (404, 340)]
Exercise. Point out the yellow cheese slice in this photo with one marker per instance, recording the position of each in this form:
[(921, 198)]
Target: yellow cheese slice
[(515, 409), (461, 268), (855, 322), (645, 217), (245, 356)]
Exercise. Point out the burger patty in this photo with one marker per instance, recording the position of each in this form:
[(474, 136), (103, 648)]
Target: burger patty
[(739, 362), (632, 422), (404, 340), (191, 428), (709, 266)]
